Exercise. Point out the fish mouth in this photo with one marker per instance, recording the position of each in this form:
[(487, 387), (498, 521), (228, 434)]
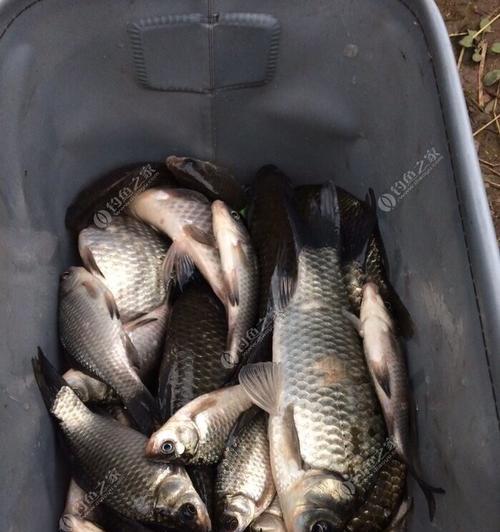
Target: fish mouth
[(174, 160)]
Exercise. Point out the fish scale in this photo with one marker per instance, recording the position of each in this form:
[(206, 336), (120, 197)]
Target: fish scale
[(245, 469), (130, 256), (325, 376), (120, 454)]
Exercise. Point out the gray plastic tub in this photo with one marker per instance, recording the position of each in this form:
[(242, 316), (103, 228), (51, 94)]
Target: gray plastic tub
[(360, 91)]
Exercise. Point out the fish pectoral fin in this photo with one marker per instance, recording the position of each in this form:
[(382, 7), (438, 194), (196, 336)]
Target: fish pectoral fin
[(262, 383), (111, 305), (89, 261), (382, 376), (355, 321), (233, 292), (200, 236), (138, 323), (178, 261), (132, 354)]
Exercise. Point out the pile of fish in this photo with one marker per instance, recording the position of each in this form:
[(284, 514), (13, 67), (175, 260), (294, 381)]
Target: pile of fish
[(234, 358)]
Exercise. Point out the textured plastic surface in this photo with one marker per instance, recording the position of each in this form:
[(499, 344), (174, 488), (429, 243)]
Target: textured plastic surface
[(363, 92)]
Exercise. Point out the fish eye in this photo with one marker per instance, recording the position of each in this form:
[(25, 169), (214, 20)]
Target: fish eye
[(66, 274), (187, 512), (235, 215), (322, 526), (229, 523), (168, 447)]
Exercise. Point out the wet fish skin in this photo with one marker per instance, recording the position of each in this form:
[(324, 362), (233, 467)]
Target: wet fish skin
[(382, 501), (147, 334), (387, 367), (185, 217), (194, 347), (203, 479), (325, 422), (111, 455), (92, 334), (244, 484), (196, 434), (88, 388), (240, 271), (214, 181), (269, 225), (271, 520), (128, 257)]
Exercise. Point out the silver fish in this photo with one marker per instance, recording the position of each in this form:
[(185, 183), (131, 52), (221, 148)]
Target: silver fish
[(197, 433), (271, 520), (110, 456), (128, 256), (244, 484), (147, 334), (325, 422), (239, 267), (77, 516), (73, 523), (185, 216), (92, 334), (389, 374)]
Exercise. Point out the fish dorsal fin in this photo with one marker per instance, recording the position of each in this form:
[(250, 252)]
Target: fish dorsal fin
[(262, 383), (89, 261), (202, 237), (178, 261)]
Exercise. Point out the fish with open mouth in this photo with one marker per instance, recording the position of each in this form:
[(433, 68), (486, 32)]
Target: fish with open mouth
[(213, 181), (128, 257), (92, 334), (197, 433), (325, 422), (240, 271), (185, 216), (244, 484), (110, 456)]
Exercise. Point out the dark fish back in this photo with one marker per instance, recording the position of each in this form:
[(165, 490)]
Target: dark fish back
[(194, 347)]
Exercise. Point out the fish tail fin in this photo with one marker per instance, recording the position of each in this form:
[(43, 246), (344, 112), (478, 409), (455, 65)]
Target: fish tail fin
[(48, 379), (143, 409), (428, 490), (323, 226), (359, 222)]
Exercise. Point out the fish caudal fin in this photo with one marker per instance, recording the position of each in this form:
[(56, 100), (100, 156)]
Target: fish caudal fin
[(48, 379), (428, 490), (143, 410), (323, 226)]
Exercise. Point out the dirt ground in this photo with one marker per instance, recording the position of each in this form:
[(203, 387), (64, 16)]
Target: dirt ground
[(483, 101)]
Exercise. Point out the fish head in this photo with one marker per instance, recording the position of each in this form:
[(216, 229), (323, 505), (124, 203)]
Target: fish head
[(373, 307), (228, 224), (176, 441), (318, 502), (177, 503), (268, 522), (72, 278), (72, 523), (238, 513)]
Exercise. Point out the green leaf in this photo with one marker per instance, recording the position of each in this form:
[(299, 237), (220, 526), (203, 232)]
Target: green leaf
[(484, 22), (468, 41), (495, 48), (491, 77)]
